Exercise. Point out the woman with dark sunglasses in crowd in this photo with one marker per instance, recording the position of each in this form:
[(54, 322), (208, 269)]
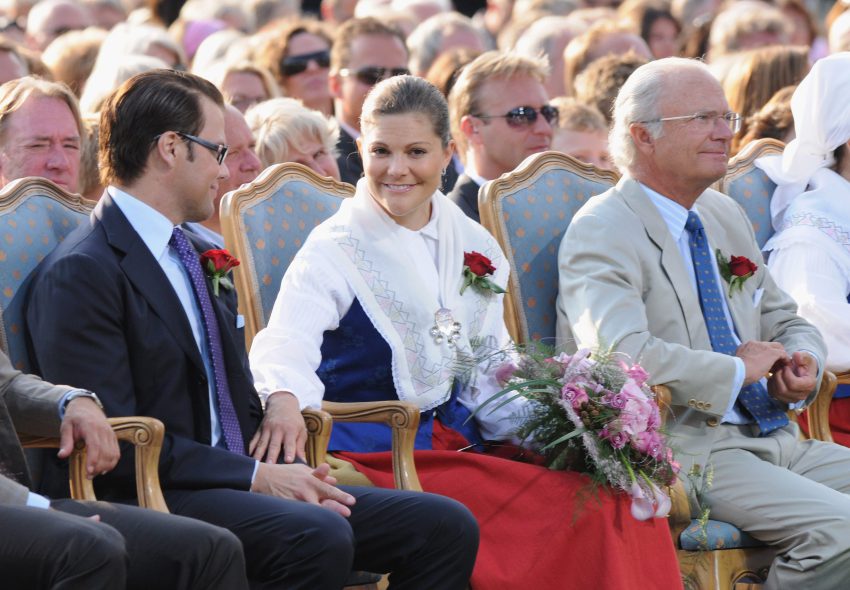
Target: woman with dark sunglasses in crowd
[(299, 57), (373, 307)]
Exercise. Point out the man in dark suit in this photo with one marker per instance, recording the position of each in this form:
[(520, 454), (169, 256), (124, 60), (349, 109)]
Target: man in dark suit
[(128, 312), (116, 546), (364, 52), (500, 115)]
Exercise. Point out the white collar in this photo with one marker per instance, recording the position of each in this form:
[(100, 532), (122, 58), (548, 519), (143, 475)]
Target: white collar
[(673, 214), (153, 227)]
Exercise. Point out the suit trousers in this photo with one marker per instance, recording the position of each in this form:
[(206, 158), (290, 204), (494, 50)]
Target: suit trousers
[(130, 547), (793, 495), (424, 540)]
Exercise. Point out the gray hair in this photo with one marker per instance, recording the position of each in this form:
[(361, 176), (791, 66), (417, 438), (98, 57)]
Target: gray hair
[(279, 124), (638, 101), (426, 41)]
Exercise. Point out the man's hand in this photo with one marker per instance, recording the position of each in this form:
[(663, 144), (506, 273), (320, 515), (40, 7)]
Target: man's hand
[(795, 380), (300, 482), (282, 428), (760, 358), (85, 421)]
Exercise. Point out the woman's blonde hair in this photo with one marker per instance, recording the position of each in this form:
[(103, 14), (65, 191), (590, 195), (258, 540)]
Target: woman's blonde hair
[(281, 123)]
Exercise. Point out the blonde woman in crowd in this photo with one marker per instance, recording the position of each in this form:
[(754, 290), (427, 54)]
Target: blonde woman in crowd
[(287, 131)]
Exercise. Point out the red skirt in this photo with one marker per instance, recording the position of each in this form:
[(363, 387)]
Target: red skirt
[(540, 529), (839, 421)]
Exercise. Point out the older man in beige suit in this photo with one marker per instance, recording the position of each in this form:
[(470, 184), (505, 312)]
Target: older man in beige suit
[(116, 546), (644, 269)]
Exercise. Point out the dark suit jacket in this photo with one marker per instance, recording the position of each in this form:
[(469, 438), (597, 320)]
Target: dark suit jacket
[(103, 316), (349, 162), (465, 196)]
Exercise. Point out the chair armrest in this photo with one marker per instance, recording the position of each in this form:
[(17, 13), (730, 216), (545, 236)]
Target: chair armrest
[(319, 425), (402, 417), (146, 436), (818, 414)]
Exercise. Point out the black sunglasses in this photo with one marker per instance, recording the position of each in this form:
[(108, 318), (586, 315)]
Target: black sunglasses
[(371, 75), (526, 116), (220, 151), (295, 64)]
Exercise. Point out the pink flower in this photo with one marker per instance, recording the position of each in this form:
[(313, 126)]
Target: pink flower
[(575, 394), (505, 371), (637, 373), (645, 507), (614, 400), (649, 443), (617, 439), (642, 506)]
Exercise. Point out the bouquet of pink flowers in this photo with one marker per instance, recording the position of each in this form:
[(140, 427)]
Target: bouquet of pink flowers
[(596, 414)]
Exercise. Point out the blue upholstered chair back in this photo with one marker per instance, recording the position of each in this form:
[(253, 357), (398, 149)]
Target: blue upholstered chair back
[(35, 215), (265, 223), (751, 187), (528, 211)]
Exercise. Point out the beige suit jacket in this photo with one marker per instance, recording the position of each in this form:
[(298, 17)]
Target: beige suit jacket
[(30, 405), (623, 284)]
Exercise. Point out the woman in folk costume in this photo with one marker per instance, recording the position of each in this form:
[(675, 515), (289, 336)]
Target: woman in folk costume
[(809, 256), (371, 309)]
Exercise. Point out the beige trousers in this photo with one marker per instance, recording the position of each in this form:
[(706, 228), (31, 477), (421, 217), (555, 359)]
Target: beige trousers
[(793, 495)]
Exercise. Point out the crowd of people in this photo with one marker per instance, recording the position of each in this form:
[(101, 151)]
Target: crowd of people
[(156, 110)]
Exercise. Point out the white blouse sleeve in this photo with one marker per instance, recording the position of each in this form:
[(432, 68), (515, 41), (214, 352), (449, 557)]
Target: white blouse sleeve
[(284, 356), (809, 272)]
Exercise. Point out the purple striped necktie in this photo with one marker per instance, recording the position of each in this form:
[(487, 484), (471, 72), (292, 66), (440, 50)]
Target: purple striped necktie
[(226, 412)]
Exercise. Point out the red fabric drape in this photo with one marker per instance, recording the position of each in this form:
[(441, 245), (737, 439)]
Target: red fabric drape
[(540, 529)]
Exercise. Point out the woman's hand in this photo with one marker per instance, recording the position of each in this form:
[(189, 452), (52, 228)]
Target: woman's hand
[(282, 428)]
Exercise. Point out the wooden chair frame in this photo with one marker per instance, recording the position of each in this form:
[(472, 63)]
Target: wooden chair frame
[(146, 436), (490, 205), (743, 161), (401, 417)]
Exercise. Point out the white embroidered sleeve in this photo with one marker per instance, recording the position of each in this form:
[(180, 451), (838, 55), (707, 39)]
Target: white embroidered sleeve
[(284, 356)]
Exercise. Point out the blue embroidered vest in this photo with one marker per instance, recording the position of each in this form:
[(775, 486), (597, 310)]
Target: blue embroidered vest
[(356, 367)]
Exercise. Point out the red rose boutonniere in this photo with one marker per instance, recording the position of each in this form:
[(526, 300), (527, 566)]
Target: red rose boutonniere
[(476, 269), (735, 271), (217, 263)]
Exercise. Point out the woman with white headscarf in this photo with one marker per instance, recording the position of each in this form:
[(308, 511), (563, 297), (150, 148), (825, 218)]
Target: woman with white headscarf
[(809, 256)]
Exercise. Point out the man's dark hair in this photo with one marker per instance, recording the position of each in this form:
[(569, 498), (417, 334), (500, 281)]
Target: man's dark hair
[(142, 109)]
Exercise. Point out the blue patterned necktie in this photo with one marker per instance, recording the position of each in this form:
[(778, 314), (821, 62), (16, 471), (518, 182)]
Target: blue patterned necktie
[(753, 398), (226, 412)]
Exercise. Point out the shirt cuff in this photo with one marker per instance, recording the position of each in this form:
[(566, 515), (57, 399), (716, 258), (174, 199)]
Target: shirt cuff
[(740, 373), (254, 475), (37, 501)]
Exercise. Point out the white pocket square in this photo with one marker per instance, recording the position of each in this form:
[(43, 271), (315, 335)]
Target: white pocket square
[(757, 296), (240, 321)]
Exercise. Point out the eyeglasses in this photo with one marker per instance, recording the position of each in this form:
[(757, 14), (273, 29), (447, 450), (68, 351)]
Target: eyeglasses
[(525, 116), (705, 120), (371, 75), (220, 151), (296, 64)]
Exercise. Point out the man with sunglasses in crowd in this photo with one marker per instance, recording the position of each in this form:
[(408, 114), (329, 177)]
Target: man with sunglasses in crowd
[(364, 52), (500, 115), (126, 306)]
